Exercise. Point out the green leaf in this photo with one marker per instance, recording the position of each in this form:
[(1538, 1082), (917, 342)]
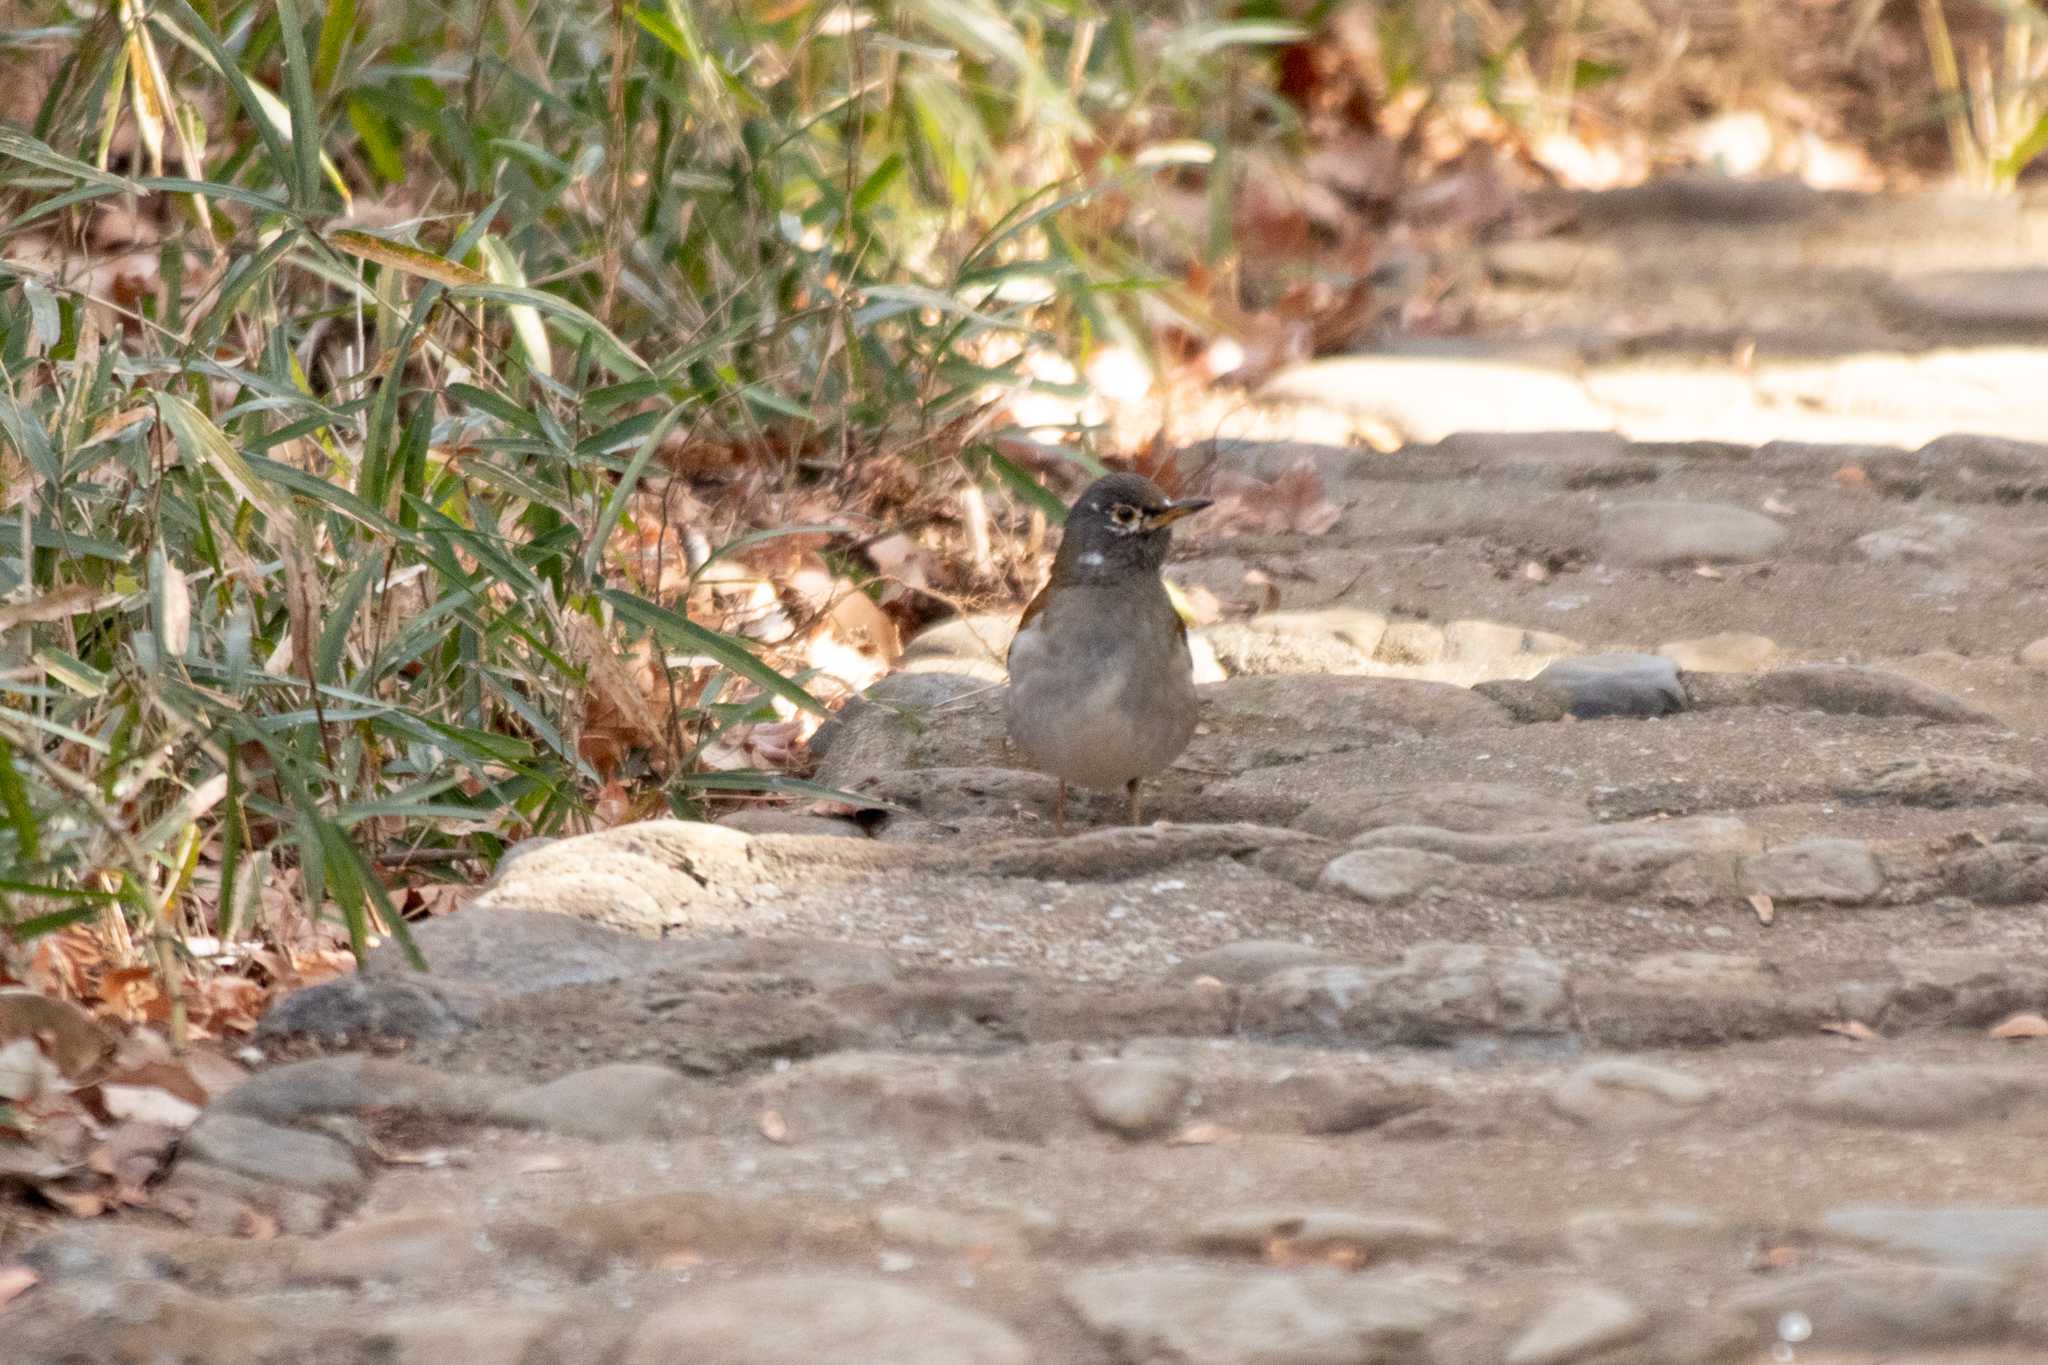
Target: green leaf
[(298, 89), (409, 259), (22, 147), (205, 444), (683, 633), (503, 268), (616, 354)]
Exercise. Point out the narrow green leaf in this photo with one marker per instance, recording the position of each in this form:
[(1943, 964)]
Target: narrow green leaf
[(616, 354), (14, 803), (399, 256), (21, 146), (683, 633)]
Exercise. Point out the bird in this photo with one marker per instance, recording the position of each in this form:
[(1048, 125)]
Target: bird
[(1102, 688)]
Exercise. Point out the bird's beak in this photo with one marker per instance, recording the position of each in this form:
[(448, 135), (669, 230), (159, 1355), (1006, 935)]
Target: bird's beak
[(1174, 511)]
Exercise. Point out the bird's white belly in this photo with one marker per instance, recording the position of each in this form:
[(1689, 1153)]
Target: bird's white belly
[(1091, 734)]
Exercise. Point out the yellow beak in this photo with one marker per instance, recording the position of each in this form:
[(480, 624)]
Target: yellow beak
[(1174, 511)]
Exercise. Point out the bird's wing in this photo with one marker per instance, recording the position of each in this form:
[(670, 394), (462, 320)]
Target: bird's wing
[(1031, 614)]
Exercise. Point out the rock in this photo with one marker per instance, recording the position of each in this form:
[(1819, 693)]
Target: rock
[(984, 637), (1438, 993), (1323, 706), (1333, 1105), (912, 720), (490, 1334), (808, 1319), (622, 1100), (1577, 1325), (1496, 649), (1528, 701), (653, 1226), (1657, 533), (290, 1157), (1965, 987), (1845, 690), (416, 1008), (1688, 861), (285, 1095), (766, 820), (1465, 807), (1885, 1307), (1943, 780), (1933, 539), (2003, 874), (423, 1249), (2035, 655), (1249, 960), (1180, 1316), (1385, 876), (1427, 399), (1961, 1235), (70, 1038), (1411, 644), (1906, 1096), (1626, 1094), (1317, 1234), (1136, 1097), (1329, 640), (1553, 262), (1617, 685), (1725, 653), (1831, 871)]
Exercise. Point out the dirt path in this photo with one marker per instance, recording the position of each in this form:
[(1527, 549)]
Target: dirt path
[(1442, 1018)]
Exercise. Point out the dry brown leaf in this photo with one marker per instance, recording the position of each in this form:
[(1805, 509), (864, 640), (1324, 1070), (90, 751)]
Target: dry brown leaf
[(15, 1280), (1851, 478), (1766, 909), (2021, 1026), (1708, 571), (1777, 1256), (1853, 1028), (1206, 983), (773, 1126), (1201, 1135), (77, 1203), (547, 1163)]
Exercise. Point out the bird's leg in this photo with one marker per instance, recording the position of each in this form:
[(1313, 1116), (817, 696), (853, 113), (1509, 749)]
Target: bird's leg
[(1133, 790), (1059, 812)]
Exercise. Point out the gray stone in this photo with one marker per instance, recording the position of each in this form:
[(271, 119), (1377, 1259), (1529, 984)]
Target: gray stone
[(1730, 652), (1906, 1096), (1963, 1235), (985, 637), (1528, 701), (1655, 533), (1845, 690), (1577, 1325), (1317, 1233), (1832, 871), (1438, 993), (2034, 655), (946, 794), (1624, 1094), (352, 1085), (912, 720), (1888, 1307), (2003, 874), (360, 1006), (1688, 861), (1618, 685), (280, 1156), (514, 952), (1385, 876), (1183, 1316), (622, 1100), (1135, 1097), (1935, 538), (1944, 780), (1465, 807), (1324, 707), (808, 1319), (487, 1334)]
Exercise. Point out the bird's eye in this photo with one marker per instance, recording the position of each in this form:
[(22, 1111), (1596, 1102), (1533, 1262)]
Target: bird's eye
[(1123, 514)]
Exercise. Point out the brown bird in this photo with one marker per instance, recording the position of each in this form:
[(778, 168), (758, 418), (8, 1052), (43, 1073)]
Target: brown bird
[(1102, 689)]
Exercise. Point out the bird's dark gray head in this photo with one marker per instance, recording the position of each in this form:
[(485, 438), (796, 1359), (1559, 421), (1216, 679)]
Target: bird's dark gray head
[(1119, 524)]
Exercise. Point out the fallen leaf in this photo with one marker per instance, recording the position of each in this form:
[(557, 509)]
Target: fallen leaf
[(1853, 1028), (1535, 572), (1778, 507), (1708, 571), (2022, 1026), (1851, 477), (1766, 909), (1200, 1135), (77, 1203), (773, 1126), (15, 1280), (1206, 983), (1778, 1257)]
